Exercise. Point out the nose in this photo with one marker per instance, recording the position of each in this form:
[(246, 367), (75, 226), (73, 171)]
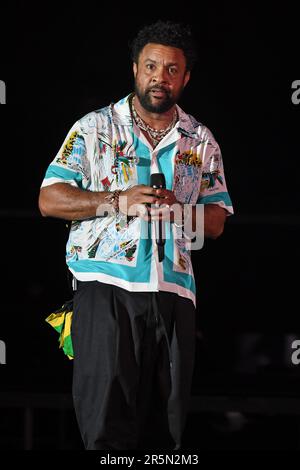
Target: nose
[(160, 75)]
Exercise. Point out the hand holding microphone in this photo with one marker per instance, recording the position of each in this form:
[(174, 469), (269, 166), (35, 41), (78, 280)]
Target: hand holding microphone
[(157, 181), (163, 212), (139, 201), (166, 200), (134, 201)]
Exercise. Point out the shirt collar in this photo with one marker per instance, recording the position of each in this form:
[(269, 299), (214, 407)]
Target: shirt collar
[(121, 116)]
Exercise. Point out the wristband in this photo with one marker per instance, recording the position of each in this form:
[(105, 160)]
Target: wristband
[(113, 199)]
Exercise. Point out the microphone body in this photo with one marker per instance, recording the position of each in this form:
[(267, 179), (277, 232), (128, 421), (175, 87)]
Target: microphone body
[(157, 181)]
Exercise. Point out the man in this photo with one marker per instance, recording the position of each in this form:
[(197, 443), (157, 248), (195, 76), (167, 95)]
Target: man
[(134, 314)]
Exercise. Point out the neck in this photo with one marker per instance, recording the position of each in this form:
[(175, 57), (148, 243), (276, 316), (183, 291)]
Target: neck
[(155, 120)]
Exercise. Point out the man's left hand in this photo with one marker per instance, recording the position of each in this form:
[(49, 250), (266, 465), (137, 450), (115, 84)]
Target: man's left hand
[(165, 207)]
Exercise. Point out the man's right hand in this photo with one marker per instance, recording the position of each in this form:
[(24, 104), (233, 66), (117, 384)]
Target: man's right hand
[(71, 203), (133, 201)]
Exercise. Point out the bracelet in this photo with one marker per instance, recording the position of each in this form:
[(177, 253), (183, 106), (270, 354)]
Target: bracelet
[(113, 199)]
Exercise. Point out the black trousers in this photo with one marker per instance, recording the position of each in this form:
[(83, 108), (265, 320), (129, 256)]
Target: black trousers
[(133, 366)]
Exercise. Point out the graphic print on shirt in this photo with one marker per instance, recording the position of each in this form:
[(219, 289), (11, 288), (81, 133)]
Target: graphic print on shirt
[(114, 242), (212, 175), (187, 174), (124, 167), (182, 258), (73, 156), (120, 242)]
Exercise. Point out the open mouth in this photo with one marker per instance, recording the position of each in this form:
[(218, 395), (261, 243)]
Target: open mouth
[(158, 93)]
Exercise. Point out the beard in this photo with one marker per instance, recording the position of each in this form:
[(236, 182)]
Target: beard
[(163, 105)]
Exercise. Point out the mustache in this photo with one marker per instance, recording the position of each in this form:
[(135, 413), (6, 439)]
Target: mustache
[(158, 88)]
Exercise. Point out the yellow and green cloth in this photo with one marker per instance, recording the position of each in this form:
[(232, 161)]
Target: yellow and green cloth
[(61, 321)]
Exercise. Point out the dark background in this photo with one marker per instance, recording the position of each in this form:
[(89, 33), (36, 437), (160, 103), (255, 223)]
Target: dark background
[(61, 63)]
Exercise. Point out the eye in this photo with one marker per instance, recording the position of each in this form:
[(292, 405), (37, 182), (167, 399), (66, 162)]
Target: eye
[(150, 66), (172, 70)]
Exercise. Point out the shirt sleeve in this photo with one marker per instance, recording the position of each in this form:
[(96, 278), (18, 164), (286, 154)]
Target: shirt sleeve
[(213, 189), (70, 164)]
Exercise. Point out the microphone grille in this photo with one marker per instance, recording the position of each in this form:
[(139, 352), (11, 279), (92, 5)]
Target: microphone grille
[(157, 180)]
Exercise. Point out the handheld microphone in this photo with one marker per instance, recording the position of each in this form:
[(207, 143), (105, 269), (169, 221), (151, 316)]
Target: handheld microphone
[(157, 181)]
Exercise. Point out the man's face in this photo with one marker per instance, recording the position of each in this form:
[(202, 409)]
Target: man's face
[(160, 76)]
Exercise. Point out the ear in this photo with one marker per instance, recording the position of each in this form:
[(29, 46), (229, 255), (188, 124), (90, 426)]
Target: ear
[(186, 77), (134, 69)]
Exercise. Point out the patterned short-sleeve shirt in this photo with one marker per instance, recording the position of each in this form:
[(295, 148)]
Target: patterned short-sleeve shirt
[(104, 151)]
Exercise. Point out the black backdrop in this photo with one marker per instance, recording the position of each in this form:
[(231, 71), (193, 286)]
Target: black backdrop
[(60, 63)]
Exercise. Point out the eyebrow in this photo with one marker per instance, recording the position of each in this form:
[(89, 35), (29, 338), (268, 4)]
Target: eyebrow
[(155, 62)]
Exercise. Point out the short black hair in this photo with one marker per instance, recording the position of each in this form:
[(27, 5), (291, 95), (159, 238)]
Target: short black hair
[(166, 33)]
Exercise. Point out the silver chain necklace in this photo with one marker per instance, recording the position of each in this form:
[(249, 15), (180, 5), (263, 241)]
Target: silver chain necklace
[(155, 135)]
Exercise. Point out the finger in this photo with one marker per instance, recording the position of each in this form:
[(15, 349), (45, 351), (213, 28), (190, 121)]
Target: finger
[(163, 192), (160, 207), (149, 200), (148, 190)]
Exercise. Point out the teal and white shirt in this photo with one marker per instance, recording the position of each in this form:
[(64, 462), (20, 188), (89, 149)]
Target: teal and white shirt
[(104, 151)]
